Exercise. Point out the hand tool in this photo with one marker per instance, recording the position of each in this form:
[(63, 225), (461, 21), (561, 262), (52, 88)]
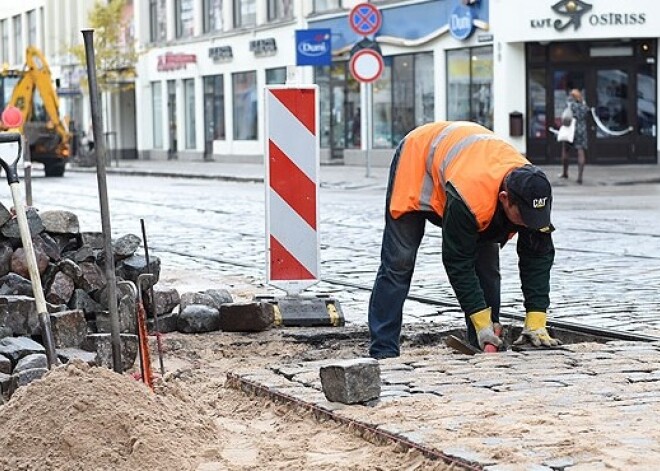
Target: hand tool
[(26, 238)]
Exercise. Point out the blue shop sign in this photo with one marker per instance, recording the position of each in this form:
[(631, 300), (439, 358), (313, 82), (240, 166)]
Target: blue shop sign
[(423, 19), (461, 22), (313, 47)]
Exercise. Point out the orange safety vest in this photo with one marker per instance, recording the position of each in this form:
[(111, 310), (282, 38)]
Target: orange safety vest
[(466, 154)]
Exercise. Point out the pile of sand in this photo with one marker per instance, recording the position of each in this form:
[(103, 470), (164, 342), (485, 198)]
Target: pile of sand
[(82, 418)]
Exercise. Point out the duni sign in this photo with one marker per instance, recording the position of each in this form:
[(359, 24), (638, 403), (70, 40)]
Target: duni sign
[(311, 49)]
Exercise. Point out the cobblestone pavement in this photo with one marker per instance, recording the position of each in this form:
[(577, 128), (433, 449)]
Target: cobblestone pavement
[(591, 406), (607, 270), (586, 407)]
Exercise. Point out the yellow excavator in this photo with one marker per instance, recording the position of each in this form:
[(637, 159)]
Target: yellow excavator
[(32, 91)]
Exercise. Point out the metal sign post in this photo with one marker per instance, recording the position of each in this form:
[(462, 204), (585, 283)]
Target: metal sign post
[(366, 63)]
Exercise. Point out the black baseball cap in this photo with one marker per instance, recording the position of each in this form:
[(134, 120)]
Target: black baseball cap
[(533, 193)]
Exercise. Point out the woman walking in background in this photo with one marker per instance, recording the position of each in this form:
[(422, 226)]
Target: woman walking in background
[(580, 111)]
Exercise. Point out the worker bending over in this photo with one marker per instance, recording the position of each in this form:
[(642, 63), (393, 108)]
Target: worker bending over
[(481, 191)]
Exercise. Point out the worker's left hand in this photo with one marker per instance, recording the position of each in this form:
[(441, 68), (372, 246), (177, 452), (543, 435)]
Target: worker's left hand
[(535, 331)]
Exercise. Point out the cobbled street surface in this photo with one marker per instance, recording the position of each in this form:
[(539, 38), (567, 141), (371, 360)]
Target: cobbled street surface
[(606, 274), (585, 407)]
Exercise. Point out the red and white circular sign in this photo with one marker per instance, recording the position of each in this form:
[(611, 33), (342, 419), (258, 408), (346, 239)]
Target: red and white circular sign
[(366, 65)]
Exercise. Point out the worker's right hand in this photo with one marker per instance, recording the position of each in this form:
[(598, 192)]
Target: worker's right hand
[(483, 324)]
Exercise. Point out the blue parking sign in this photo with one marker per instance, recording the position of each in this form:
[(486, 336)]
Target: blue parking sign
[(313, 47)]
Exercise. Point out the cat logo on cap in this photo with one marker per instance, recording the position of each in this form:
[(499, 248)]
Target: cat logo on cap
[(539, 203)]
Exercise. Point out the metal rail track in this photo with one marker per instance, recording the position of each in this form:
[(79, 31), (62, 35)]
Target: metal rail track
[(565, 325)]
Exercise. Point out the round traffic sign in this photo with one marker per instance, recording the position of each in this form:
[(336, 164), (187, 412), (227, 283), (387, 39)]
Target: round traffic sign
[(365, 19), (366, 65)]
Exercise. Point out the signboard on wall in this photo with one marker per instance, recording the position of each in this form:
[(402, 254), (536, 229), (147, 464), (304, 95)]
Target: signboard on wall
[(461, 22), (313, 47)]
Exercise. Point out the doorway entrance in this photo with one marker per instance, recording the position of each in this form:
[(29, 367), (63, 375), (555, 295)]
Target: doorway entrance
[(618, 82), (339, 109)]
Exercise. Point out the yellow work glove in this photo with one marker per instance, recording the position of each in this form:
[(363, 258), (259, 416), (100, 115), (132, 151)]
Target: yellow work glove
[(535, 331), (483, 324)]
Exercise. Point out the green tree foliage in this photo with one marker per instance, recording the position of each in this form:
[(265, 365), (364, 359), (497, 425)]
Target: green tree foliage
[(114, 45)]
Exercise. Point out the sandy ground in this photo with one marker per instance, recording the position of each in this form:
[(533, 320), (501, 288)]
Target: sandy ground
[(80, 418)]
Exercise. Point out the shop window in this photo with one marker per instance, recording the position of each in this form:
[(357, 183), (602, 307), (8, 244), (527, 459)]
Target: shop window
[(403, 97), (470, 84), (276, 76), (568, 52), (157, 114), (279, 10), (321, 6), (212, 15), (339, 101), (189, 100), (184, 19), (18, 39), (32, 27), (4, 37), (214, 108), (245, 13), (244, 91), (536, 112), (646, 100)]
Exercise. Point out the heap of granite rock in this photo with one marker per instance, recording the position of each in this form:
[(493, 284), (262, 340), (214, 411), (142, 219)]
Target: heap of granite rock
[(72, 268)]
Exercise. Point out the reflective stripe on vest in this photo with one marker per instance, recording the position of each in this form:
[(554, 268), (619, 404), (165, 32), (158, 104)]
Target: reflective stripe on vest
[(427, 186)]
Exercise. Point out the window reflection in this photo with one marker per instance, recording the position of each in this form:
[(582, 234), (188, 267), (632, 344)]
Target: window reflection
[(245, 105), (612, 106), (536, 126), (469, 85), (646, 98)]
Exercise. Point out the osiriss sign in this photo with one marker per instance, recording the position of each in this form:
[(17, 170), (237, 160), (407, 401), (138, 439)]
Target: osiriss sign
[(313, 47), (576, 12)]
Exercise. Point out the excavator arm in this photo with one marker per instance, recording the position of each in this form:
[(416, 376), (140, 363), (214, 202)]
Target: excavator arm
[(37, 76)]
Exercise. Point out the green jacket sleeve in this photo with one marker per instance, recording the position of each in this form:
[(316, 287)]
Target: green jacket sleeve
[(459, 249), (460, 239), (536, 254)]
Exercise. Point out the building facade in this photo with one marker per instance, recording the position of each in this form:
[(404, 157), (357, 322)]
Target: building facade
[(507, 64)]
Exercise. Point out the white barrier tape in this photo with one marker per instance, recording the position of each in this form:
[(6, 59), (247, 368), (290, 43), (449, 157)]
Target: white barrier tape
[(602, 127)]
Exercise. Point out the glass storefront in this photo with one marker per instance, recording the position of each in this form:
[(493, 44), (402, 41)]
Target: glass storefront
[(157, 113), (244, 91), (189, 107), (214, 111), (470, 85), (618, 81), (339, 99), (403, 98)]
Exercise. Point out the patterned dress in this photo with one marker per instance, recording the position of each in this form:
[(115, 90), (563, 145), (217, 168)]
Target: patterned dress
[(580, 112)]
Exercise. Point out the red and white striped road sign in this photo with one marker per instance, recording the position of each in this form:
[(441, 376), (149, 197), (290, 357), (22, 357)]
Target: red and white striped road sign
[(292, 187)]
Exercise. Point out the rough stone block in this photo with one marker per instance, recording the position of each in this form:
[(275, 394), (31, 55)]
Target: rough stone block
[(25, 377), (60, 222), (60, 290), (351, 381), (36, 360), (68, 354), (197, 318), (16, 348), (102, 345), (5, 385), (5, 365), (12, 231), (166, 323), (19, 313), (166, 299), (196, 298), (246, 317), (69, 328)]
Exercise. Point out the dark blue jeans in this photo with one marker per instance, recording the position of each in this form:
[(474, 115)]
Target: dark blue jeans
[(401, 240)]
